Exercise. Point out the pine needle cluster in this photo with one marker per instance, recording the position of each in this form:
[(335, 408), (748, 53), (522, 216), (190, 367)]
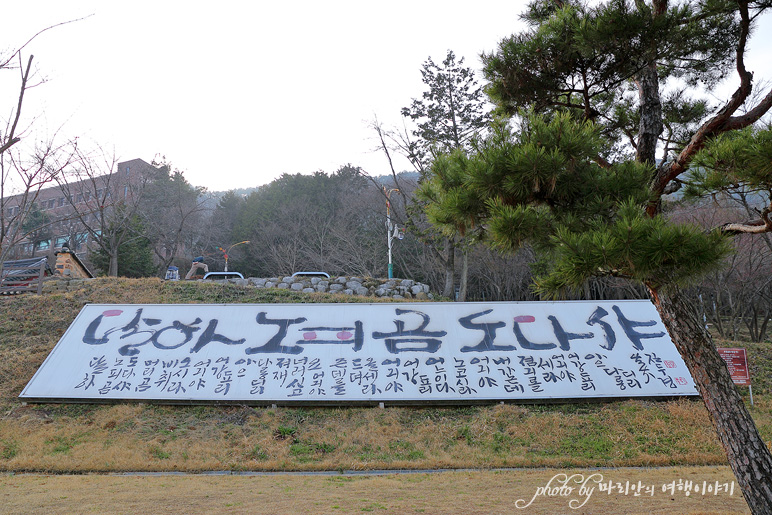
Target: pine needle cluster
[(542, 185)]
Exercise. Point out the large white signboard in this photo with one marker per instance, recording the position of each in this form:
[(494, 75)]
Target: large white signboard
[(322, 353)]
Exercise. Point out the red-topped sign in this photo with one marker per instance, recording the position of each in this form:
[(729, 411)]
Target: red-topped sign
[(737, 363)]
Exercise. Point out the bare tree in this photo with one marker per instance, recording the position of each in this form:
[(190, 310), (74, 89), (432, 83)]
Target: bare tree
[(26, 174), (173, 213), (23, 172), (443, 249), (104, 200)]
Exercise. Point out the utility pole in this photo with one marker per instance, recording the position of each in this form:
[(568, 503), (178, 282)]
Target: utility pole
[(389, 229)]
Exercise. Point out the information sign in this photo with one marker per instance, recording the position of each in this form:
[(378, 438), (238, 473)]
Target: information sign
[(737, 362)]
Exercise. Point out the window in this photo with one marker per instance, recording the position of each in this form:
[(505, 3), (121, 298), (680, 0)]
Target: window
[(44, 244), (60, 241), (61, 201)]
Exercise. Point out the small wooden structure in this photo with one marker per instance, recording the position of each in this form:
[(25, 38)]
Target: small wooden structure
[(24, 275), (69, 265)]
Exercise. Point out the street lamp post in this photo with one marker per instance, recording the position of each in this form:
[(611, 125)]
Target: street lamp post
[(225, 252)]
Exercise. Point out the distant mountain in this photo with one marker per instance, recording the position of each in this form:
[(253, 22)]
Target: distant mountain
[(215, 196), (244, 192)]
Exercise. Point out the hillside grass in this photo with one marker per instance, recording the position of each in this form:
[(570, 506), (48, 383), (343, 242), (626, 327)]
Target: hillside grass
[(151, 437)]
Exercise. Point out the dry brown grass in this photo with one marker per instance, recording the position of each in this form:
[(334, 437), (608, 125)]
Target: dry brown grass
[(142, 437), (468, 492)]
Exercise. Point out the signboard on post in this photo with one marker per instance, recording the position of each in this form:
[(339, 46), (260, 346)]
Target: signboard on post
[(363, 353), (737, 363)]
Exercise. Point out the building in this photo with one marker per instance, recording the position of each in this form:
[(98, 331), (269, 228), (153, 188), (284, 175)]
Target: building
[(68, 213)]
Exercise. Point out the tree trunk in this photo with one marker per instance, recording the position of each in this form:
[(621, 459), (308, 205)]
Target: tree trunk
[(450, 269), (464, 275), (112, 269), (651, 115), (748, 456)]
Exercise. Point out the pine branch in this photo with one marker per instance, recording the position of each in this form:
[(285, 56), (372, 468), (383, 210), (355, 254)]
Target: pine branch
[(759, 226), (722, 121)]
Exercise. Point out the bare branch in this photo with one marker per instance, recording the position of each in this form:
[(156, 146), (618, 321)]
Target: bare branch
[(18, 50), (12, 138)]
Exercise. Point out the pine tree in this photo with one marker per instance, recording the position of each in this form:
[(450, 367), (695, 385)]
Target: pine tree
[(135, 255), (451, 113), (582, 179)]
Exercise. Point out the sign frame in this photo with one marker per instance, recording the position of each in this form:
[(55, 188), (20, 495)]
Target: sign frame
[(421, 325)]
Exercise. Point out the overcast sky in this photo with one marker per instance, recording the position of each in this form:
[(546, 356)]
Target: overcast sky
[(237, 93)]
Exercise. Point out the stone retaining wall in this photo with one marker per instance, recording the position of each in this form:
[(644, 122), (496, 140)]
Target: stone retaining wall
[(346, 285)]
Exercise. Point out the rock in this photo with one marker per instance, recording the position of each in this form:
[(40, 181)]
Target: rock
[(364, 292), (397, 297), (315, 281), (336, 287), (308, 290), (260, 283), (289, 279), (348, 292), (416, 289), (296, 286), (407, 283), (341, 280), (283, 286), (353, 285)]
